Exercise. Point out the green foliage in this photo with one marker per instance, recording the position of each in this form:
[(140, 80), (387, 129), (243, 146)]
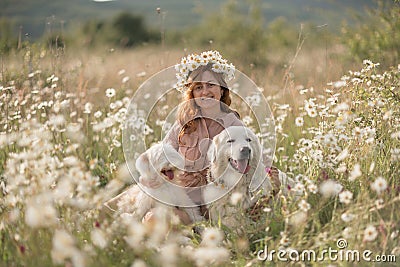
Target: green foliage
[(239, 36), (124, 30), (130, 30), (379, 39), (7, 39)]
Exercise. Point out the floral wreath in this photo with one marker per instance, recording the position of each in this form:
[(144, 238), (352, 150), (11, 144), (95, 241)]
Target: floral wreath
[(193, 61)]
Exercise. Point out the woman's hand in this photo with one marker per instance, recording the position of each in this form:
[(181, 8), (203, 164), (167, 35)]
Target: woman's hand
[(150, 183)]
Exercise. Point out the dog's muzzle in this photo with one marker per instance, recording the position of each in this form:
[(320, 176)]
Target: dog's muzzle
[(242, 163), (169, 173)]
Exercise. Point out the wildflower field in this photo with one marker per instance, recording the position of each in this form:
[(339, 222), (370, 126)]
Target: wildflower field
[(61, 120)]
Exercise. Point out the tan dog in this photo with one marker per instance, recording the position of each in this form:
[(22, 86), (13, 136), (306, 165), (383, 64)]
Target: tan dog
[(236, 171)]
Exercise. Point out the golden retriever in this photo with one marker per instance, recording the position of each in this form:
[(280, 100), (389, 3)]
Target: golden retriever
[(236, 170)]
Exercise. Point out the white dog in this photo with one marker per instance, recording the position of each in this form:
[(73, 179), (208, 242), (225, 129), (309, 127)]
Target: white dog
[(236, 171), (158, 165)]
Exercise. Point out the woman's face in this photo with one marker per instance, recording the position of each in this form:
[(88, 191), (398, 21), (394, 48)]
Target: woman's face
[(208, 92)]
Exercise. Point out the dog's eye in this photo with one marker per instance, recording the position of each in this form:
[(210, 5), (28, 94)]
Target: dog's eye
[(230, 141), (248, 139)]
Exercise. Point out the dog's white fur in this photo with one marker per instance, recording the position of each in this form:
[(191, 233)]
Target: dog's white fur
[(152, 166), (227, 178)]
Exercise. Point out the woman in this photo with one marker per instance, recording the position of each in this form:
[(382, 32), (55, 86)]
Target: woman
[(203, 113)]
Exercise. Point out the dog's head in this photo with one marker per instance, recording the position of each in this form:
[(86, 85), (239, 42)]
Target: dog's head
[(160, 161), (236, 150)]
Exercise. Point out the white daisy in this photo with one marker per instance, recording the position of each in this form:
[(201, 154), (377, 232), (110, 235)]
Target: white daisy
[(370, 233), (299, 121), (110, 92), (345, 197), (304, 205)]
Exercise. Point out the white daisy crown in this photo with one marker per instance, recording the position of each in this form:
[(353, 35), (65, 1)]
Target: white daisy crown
[(193, 61)]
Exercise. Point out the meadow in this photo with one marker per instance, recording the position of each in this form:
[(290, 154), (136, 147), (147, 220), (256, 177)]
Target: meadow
[(337, 123)]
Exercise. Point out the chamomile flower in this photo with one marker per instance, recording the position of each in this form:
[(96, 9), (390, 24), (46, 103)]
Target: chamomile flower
[(304, 205), (370, 233), (345, 197), (299, 121), (110, 92)]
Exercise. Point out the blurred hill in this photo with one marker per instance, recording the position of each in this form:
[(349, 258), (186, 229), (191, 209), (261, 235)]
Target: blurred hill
[(35, 17)]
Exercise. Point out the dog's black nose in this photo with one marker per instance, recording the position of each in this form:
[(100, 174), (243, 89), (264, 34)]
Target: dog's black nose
[(245, 151)]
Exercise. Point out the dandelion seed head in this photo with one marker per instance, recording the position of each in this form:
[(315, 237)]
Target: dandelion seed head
[(98, 238), (236, 197), (43, 215), (379, 185), (356, 172), (56, 120), (330, 188), (212, 237), (298, 218)]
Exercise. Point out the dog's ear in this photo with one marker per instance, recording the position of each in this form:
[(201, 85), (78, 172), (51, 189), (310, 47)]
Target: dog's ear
[(173, 156), (142, 163)]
